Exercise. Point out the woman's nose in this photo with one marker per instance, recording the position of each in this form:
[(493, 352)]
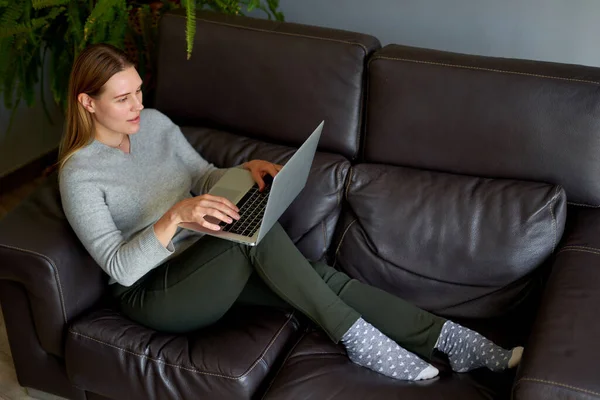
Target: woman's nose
[(137, 104)]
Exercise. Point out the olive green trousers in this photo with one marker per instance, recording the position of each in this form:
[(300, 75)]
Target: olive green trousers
[(197, 287)]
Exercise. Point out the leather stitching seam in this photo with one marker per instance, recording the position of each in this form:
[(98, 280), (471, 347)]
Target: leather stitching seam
[(361, 106), (583, 249), (343, 236), (582, 205), (363, 152), (362, 46), (558, 384), (287, 357), (501, 71), (324, 236), (554, 223), (159, 361), (349, 180), (339, 177)]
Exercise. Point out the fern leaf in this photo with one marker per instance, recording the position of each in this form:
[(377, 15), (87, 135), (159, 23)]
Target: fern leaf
[(101, 27), (42, 88), (273, 6), (39, 4), (146, 39), (144, 16), (101, 9), (11, 15), (27, 69), (6, 63), (6, 31), (27, 11), (5, 56), (74, 19), (61, 61), (190, 26), (252, 4), (226, 6), (8, 84), (220, 5), (36, 23), (30, 75), (117, 28)]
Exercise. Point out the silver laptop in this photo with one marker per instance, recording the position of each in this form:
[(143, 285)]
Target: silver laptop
[(260, 210)]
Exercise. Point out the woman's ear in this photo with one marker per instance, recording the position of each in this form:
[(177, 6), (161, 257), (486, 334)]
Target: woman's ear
[(86, 101)]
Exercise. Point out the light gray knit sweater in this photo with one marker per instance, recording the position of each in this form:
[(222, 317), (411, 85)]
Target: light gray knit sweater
[(112, 199)]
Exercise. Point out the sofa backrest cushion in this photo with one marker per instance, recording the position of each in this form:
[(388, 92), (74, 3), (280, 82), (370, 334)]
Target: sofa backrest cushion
[(265, 79), (457, 245), (482, 116)]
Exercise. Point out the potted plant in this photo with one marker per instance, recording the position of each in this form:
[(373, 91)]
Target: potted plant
[(36, 32)]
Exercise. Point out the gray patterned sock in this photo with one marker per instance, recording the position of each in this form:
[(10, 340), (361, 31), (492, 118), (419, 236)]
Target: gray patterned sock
[(467, 350), (369, 348)]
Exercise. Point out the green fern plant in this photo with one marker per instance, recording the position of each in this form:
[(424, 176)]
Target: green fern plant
[(34, 33)]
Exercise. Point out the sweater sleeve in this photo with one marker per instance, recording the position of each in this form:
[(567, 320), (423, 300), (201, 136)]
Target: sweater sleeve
[(125, 260), (204, 174)]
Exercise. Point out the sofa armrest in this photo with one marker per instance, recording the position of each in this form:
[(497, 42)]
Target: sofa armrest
[(562, 352), (39, 250)]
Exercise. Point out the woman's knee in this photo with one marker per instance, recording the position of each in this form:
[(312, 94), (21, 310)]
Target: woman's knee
[(276, 231), (166, 316), (276, 238)]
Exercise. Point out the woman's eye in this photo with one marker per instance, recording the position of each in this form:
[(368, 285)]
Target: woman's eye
[(122, 100), (139, 90)]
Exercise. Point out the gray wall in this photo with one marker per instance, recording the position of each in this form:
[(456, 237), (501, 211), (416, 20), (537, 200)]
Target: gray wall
[(551, 30)]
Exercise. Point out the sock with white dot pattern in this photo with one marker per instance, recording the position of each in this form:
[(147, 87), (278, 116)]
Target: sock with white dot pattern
[(468, 350), (369, 348)]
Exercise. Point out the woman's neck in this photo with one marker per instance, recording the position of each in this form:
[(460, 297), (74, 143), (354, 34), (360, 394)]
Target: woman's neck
[(115, 140)]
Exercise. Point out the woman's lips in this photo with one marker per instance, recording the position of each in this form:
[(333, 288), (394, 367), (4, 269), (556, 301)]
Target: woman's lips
[(135, 120)]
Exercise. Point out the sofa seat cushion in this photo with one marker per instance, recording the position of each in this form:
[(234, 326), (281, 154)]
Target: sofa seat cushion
[(311, 218), (318, 369), (457, 245), (115, 357)]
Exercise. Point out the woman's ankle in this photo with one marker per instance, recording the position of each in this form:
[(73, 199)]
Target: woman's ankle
[(468, 350)]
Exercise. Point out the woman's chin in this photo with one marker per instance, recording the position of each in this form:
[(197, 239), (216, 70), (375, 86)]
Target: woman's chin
[(133, 129)]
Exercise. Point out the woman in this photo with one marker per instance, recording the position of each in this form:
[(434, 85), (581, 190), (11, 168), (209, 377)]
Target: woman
[(125, 181)]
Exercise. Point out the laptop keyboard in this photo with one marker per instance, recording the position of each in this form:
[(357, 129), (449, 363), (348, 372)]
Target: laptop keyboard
[(252, 208)]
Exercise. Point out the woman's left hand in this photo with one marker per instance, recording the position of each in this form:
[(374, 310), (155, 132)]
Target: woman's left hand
[(260, 168)]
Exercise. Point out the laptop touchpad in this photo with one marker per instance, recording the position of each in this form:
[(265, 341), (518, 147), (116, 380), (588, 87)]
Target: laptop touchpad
[(232, 195)]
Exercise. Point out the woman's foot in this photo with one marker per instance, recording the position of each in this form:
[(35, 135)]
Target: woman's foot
[(468, 350), (368, 347)]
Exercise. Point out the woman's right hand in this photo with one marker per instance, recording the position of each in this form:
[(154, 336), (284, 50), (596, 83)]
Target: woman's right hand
[(193, 211), (206, 210)]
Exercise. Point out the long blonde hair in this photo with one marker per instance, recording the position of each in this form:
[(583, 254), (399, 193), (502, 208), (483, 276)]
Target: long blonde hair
[(92, 69)]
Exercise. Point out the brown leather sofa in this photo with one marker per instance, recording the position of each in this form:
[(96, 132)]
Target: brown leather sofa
[(441, 177)]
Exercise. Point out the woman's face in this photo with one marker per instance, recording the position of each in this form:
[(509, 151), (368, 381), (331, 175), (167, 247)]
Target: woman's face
[(117, 109)]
